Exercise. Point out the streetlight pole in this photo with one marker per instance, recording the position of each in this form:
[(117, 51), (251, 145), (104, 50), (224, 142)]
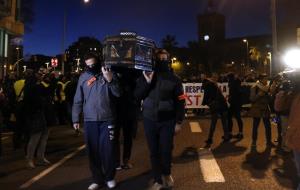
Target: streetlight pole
[(247, 49), (18, 57), (64, 37), (274, 35)]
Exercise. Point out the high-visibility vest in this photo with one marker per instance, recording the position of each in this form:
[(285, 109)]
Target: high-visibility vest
[(46, 85), (62, 91), (19, 89)]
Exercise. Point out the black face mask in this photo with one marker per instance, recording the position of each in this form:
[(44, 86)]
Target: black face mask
[(162, 66), (95, 68)]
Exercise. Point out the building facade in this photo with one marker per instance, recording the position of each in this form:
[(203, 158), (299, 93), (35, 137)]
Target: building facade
[(11, 32)]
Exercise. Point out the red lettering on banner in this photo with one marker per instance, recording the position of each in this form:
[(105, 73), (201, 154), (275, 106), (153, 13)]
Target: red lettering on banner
[(197, 97), (189, 101)]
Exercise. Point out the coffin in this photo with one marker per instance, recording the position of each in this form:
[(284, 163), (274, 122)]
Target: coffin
[(129, 50)]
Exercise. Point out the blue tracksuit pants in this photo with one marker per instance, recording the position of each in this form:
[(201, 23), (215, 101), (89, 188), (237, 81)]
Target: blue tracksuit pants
[(99, 137)]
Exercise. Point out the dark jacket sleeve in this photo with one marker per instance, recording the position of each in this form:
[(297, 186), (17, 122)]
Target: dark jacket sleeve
[(179, 100), (77, 103), (114, 87), (142, 89), (207, 97)]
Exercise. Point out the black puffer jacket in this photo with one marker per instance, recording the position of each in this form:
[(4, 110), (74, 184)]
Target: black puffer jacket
[(34, 106), (163, 99), (213, 97)]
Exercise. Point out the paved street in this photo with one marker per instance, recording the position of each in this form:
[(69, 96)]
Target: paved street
[(231, 166)]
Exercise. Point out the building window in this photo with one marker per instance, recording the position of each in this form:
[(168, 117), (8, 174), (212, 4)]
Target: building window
[(5, 8)]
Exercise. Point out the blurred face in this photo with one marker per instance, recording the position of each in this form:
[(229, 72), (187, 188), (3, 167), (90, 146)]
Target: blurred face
[(162, 57), (90, 62)]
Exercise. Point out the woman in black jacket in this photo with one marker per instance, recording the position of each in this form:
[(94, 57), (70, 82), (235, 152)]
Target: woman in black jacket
[(216, 102), (34, 109)]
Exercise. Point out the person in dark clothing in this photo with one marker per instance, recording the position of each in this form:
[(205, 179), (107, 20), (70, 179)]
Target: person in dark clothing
[(126, 116), (163, 112), (216, 102), (2, 103), (235, 107), (70, 91), (48, 90), (34, 110), (9, 110), (260, 109), (60, 99), (95, 95)]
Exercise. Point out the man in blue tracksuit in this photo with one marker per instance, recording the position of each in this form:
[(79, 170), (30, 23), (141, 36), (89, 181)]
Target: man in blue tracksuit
[(95, 94)]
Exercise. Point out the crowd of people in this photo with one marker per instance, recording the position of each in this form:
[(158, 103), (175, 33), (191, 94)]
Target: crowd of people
[(108, 100), (31, 104)]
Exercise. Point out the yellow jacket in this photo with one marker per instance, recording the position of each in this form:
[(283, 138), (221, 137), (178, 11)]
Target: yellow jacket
[(19, 89)]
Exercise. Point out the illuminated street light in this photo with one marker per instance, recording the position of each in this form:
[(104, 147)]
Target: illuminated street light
[(247, 49), (292, 58), (188, 64), (64, 36), (173, 59), (47, 64), (206, 37)]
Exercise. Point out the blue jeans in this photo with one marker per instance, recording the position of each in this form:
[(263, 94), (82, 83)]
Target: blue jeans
[(99, 137), (297, 162)]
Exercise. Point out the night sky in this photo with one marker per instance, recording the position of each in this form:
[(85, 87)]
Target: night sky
[(150, 18)]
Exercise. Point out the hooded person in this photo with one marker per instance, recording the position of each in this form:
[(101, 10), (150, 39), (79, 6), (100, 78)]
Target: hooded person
[(163, 114)]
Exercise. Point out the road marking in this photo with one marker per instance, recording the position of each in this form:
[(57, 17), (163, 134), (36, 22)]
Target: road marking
[(210, 169), (50, 169), (195, 127)]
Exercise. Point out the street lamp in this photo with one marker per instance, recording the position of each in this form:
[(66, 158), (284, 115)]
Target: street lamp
[(173, 59), (188, 63), (270, 58), (64, 37), (18, 57), (47, 64), (292, 59), (247, 49)]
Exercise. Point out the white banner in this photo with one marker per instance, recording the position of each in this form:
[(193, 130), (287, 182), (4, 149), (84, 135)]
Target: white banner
[(194, 94)]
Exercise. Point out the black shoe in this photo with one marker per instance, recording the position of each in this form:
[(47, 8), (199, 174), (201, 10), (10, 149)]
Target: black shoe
[(238, 136), (270, 145), (209, 141), (225, 139)]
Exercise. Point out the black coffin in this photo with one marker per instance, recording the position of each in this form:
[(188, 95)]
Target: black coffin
[(130, 51)]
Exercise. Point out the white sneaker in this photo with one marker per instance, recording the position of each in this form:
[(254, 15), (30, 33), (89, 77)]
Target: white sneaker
[(31, 164), (111, 184), (168, 181), (156, 186), (93, 186)]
